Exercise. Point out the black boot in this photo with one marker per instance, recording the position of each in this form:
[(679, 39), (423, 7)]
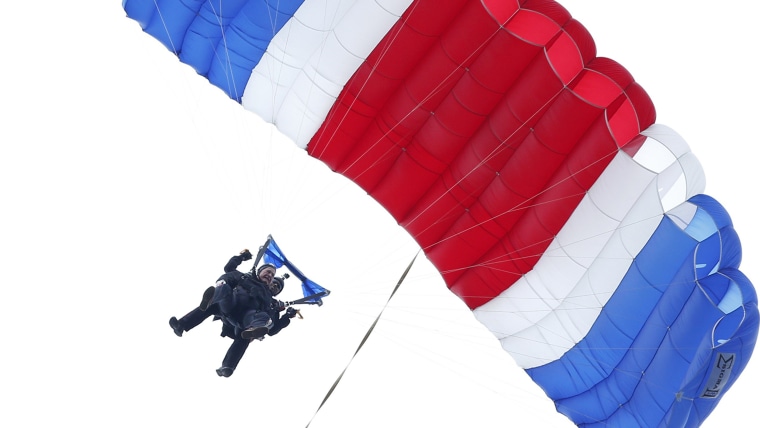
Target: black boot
[(225, 371), (208, 296), (254, 333), (175, 325)]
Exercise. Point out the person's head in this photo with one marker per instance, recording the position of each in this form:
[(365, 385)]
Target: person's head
[(276, 286), (266, 272)]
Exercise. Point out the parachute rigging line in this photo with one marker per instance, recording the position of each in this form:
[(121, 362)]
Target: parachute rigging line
[(364, 339)]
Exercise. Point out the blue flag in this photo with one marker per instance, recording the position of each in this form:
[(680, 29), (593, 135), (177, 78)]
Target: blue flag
[(274, 255)]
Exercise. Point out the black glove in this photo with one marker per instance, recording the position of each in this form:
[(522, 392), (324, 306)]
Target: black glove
[(291, 312), (246, 254)]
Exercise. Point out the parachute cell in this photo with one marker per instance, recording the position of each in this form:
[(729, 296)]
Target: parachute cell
[(529, 170)]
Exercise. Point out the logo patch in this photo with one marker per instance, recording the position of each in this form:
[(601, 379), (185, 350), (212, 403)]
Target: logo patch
[(719, 375)]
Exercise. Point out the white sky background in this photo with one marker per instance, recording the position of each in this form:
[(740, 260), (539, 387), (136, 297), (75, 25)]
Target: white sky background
[(127, 182)]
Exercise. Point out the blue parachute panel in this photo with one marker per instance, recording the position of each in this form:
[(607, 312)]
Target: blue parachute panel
[(703, 302), (221, 40)]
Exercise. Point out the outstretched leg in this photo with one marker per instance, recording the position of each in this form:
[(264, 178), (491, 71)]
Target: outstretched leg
[(212, 303), (232, 358), (189, 321)]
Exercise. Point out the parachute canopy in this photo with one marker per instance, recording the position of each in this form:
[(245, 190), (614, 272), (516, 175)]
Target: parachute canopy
[(529, 170)]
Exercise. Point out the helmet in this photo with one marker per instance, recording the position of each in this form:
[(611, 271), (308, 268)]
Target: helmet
[(277, 284), (264, 266)]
